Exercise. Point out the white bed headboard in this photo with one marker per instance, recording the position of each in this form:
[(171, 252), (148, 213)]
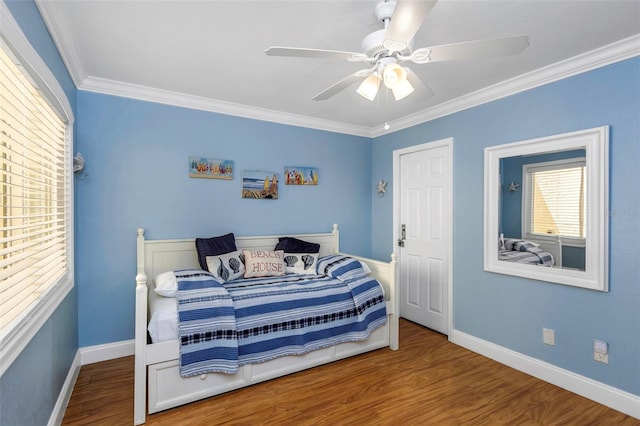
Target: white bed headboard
[(156, 256)]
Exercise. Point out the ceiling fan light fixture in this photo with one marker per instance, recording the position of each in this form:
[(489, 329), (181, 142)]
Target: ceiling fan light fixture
[(393, 75), (368, 89), (402, 90)]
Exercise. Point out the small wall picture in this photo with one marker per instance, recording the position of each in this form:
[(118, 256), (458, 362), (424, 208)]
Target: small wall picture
[(301, 175), (200, 167), (259, 184)]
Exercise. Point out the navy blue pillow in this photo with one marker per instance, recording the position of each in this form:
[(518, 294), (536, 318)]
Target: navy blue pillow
[(214, 246), (294, 245)]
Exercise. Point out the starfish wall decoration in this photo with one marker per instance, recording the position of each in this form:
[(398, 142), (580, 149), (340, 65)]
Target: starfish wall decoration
[(381, 188)]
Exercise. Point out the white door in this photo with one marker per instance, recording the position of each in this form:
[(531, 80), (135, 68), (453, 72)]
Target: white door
[(424, 233)]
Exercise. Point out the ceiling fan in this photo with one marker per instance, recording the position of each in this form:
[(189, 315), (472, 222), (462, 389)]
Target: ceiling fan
[(386, 49)]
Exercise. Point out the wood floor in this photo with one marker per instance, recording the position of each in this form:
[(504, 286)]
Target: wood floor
[(429, 381)]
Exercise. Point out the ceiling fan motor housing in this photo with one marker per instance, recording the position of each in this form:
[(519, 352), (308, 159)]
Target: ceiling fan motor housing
[(372, 45)]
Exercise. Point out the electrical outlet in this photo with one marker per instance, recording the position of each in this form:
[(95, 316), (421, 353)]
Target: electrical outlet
[(603, 358), (601, 351)]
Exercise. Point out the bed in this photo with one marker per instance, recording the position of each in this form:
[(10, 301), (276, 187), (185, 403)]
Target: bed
[(159, 384), (546, 253)]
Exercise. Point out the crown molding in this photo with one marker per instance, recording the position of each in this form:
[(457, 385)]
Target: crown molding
[(606, 55), (150, 94), (610, 54), (63, 41)]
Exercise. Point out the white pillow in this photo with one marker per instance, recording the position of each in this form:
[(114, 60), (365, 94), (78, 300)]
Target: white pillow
[(226, 267), (166, 284), (263, 263), (300, 263)]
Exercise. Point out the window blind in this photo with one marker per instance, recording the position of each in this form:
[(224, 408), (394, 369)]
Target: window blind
[(35, 194), (557, 198)]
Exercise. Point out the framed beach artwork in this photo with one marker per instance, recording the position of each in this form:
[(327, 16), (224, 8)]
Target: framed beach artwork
[(259, 184), (301, 175), (208, 168)]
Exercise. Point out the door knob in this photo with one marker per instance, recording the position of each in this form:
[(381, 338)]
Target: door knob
[(403, 235)]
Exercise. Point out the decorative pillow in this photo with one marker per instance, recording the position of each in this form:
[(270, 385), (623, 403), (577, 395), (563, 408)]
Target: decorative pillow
[(524, 245), (294, 245), (226, 267), (300, 263), (166, 284), (214, 246), (510, 242), (263, 263), (342, 267)]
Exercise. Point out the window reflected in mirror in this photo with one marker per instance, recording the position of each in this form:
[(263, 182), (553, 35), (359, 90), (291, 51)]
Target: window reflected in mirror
[(546, 208), (543, 202)]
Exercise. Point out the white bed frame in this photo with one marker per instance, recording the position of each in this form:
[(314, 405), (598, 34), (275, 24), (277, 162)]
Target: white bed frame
[(156, 365)]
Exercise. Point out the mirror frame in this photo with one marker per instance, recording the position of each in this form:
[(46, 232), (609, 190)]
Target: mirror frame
[(596, 144)]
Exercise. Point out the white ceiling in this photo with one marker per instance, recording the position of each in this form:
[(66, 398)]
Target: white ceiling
[(210, 54)]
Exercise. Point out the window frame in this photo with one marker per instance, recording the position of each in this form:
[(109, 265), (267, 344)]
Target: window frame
[(527, 201), (27, 326)]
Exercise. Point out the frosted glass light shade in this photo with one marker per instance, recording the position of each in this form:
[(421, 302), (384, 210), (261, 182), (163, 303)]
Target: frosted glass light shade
[(393, 75), (402, 90), (369, 87)]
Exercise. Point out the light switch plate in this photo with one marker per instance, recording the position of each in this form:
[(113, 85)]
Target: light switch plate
[(600, 346)]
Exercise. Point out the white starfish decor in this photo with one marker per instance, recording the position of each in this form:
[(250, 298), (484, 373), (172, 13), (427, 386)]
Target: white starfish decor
[(381, 188)]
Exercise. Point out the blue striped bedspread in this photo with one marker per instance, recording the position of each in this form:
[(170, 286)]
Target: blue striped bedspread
[(273, 317), (206, 325), (525, 252)]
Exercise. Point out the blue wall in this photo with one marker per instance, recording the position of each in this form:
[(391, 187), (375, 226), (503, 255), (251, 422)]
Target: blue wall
[(510, 311), (137, 156), (30, 387)]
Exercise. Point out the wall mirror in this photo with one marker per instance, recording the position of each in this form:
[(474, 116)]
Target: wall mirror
[(546, 204)]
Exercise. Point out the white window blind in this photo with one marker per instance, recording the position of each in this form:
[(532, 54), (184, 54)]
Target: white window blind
[(35, 194), (555, 198)]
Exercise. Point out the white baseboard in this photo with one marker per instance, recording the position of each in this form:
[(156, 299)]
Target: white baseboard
[(86, 355), (604, 394), (65, 393), (610, 396), (98, 353)]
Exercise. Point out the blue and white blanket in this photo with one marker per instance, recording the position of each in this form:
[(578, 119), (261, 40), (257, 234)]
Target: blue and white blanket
[(520, 251), (272, 317), (206, 325)]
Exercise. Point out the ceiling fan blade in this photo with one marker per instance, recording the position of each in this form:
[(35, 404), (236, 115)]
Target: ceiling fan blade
[(422, 90), (407, 18), (298, 52), (478, 49), (338, 87)]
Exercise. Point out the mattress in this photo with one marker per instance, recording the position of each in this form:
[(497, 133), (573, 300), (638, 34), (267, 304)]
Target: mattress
[(163, 323)]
